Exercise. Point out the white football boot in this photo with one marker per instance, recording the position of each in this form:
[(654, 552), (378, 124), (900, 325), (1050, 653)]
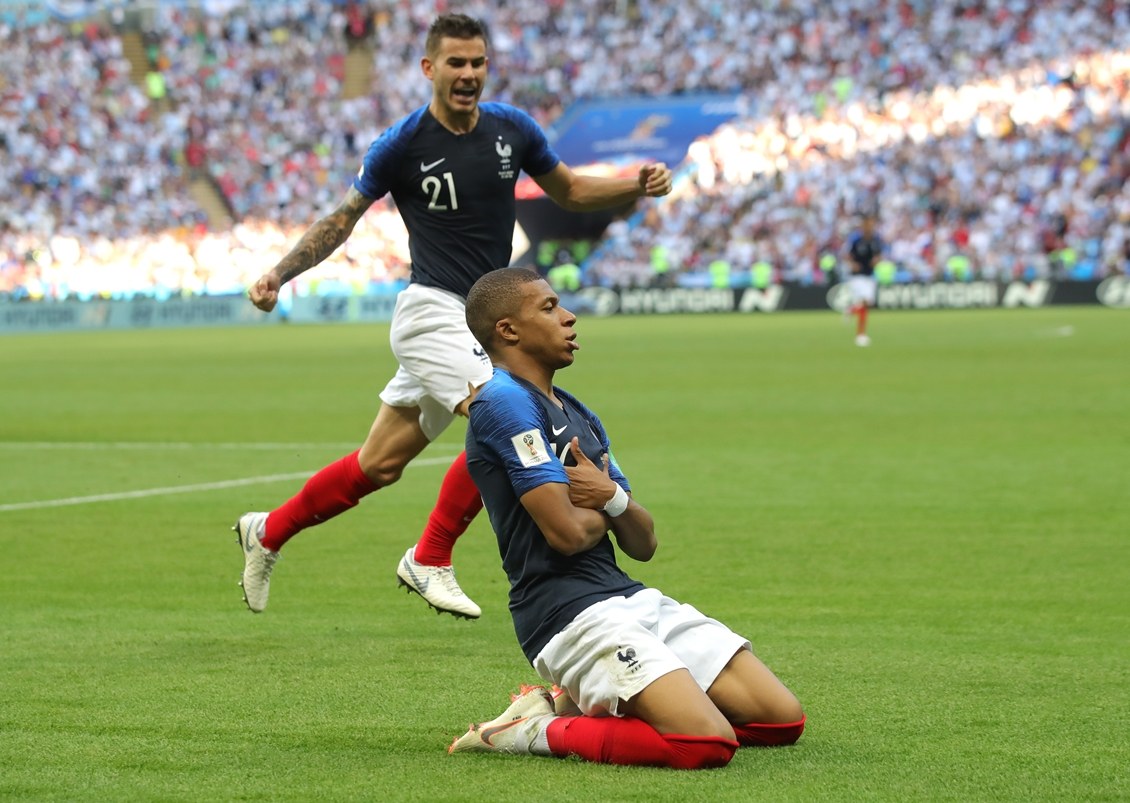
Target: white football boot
[(513, 730), (257, 560), (437, 585)]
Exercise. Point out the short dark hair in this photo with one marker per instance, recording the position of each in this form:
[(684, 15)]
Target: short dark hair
[(454, 26), (494, 296)]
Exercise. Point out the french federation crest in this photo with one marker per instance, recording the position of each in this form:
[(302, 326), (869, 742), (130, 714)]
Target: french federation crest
[(505, 166)]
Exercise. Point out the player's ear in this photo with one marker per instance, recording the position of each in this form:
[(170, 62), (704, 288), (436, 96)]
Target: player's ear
[(505, 331), (428, 68)]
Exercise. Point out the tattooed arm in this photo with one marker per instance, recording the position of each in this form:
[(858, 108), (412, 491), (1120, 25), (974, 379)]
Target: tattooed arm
[(319, 241)]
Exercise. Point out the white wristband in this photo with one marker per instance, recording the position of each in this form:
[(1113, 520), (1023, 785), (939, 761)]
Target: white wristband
[(618, 503)]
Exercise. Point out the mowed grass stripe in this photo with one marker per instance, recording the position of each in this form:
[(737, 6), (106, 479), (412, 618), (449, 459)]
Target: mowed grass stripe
[(194, 488)]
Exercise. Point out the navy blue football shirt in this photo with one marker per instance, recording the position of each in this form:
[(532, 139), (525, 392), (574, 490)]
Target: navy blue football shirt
[(456, 191), (518, 440), (864, 250)]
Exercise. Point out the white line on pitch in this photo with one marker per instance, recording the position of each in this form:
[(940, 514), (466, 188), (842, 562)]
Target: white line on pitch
[(93, 445), (184, 489)]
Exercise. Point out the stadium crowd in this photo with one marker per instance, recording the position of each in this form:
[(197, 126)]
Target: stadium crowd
[(997, 132), (1012, 169)]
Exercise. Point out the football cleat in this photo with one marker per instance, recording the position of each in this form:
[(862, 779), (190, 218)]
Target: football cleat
[(563, 705), (511, 731), (257, 560), (437, 585), (862, 340)]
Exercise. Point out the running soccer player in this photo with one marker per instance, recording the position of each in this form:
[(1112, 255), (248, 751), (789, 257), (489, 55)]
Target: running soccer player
[(864, 249), (451, 167), (651, 681)]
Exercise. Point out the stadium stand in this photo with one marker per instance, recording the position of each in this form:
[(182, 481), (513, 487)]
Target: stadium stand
[(997, 131)]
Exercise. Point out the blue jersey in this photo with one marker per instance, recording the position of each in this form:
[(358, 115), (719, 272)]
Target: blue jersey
[(864, 251), (456, 191), (518, 440)]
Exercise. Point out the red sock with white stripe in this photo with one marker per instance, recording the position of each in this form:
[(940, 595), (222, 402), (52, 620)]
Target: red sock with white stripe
[(631, 741), (333, 490), (458, 504)]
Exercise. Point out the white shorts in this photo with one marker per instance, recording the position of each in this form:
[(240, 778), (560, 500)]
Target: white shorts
[(615, 649), (862, 288), (438, 356)]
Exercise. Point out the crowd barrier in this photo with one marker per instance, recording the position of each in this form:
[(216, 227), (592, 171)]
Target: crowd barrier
[(144, 313)]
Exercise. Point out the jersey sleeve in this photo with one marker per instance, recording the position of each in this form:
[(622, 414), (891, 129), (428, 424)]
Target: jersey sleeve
[(512, 429), (385, 154)]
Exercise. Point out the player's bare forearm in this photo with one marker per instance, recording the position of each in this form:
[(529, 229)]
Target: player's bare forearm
[(323, 237), (319, 241), (635, 532), (579, 193), (568, 529), (591, 193)]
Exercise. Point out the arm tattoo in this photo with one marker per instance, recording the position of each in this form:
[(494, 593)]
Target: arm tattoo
[(323, 237)]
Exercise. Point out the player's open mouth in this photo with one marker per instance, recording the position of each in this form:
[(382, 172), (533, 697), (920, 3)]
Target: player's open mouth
[(464, 93)]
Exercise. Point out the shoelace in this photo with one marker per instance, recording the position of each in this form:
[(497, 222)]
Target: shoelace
[(446, 577)]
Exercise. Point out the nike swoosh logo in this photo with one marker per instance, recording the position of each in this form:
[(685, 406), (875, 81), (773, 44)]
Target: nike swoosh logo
[(558, 430), (486, 734), (422, 583), (424, 168)]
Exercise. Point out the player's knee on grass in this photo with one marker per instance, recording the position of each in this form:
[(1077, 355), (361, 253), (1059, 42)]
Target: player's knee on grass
[(748, 691), (699, 752), (758, 734)]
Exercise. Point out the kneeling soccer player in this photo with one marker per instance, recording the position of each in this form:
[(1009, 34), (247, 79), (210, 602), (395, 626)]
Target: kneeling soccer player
[(650, 681)]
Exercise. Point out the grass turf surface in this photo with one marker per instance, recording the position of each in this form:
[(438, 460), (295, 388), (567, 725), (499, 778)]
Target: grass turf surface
[(926, 539)]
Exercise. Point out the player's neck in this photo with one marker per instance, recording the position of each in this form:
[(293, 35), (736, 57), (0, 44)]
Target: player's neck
[(455, 123), (534, 373)]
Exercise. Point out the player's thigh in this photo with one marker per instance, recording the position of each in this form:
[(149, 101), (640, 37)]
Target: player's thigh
[(674, 703), (608, 653), (747, 691), (704, 645), (613, 659)]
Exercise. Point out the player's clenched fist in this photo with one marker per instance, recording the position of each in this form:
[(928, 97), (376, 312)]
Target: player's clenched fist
[(655, 179), (589, 484), (264, 294)]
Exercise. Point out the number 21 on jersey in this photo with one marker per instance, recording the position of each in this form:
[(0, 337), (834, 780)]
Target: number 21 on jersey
[(433, 187)]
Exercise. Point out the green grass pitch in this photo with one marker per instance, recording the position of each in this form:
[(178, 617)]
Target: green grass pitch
[(928, 540)]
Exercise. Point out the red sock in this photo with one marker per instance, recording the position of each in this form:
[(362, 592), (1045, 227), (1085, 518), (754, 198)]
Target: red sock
[(861, 319), (336, 488), (756, 734), (631, 741), (458, 504)]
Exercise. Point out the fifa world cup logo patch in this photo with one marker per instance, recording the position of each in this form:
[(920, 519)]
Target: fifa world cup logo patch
[(529, 448)]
